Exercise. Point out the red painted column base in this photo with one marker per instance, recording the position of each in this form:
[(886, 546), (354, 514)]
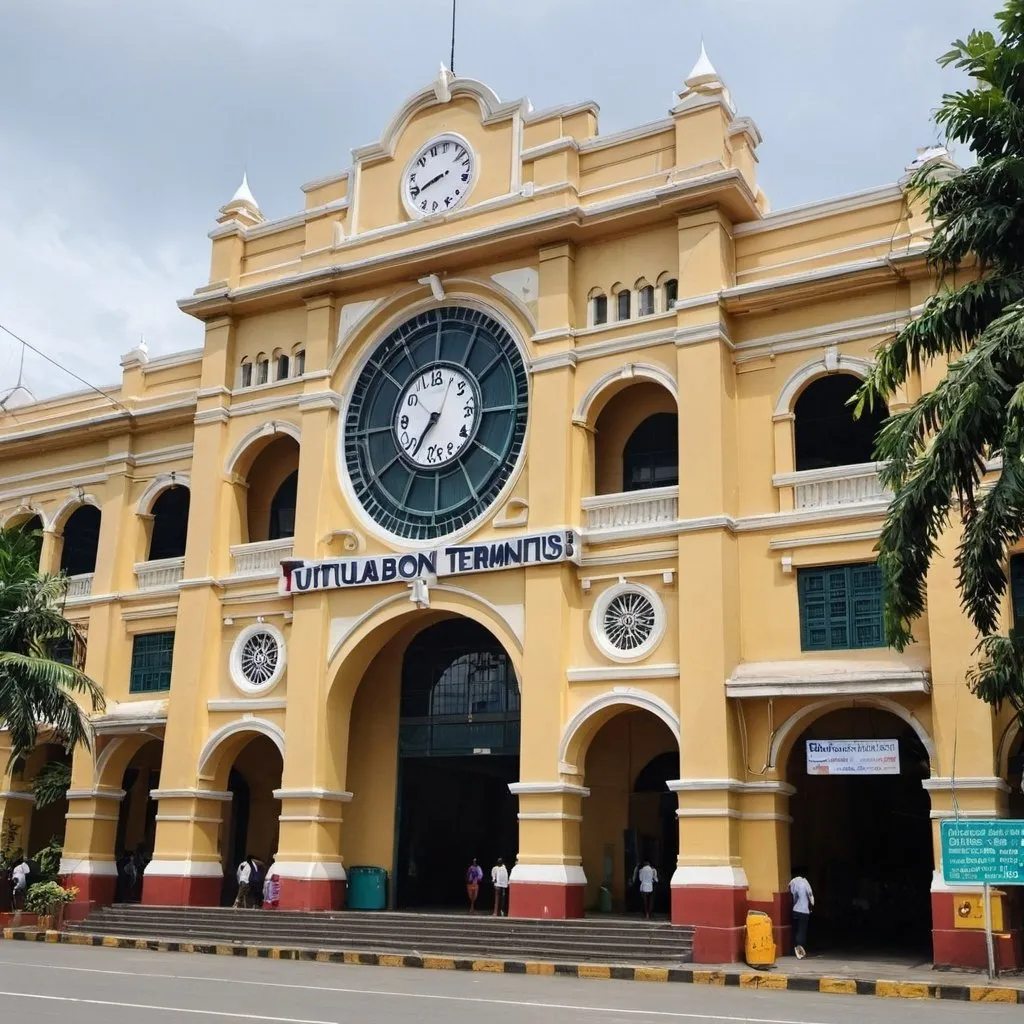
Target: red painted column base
[(181, 891), (312, 894), (965, 947), (717, 915), (544, 900), (93, 891)]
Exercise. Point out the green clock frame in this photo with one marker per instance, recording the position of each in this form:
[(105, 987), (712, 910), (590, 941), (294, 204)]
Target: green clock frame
[(422, 503)]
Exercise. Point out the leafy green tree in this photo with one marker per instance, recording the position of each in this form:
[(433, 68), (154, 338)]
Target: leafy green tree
[(37, 691), (51, 783), (936, 450)]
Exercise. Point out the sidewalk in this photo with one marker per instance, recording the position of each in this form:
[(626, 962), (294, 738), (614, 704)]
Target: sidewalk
[(883, 978)]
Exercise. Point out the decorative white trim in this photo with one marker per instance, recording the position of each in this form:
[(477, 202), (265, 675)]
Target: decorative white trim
[(315, 793), (708, 812), (221, 796), (831, 362), (264, 430), (598, 625), (14, 794), (235, 669), (723, 876), (946, 784), (256, 725), (547, 789), (95, 868), (953, 815), (246, 705), (320, 819), (606, 673), (729, 786), (187, 817), (308, 870), (801, 718), (94, 794), (853, 537), (819, 209), (548, 816), (626, 697), (548, 874), (161, 483), (184, 869), (825, 678), (643, 371), (64, 511)]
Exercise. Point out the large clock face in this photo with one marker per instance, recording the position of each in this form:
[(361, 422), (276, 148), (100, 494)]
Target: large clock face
[(436, 422), (439, 177)]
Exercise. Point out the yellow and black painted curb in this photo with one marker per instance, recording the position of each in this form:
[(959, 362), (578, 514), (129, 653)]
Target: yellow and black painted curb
[(770, 981)]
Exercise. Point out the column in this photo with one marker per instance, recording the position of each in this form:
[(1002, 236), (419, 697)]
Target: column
[(963, 729), (709, 885), (309, 862), (547, 879)]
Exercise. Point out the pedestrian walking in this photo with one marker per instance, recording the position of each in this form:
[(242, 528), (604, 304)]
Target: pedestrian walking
[(648, 878), (244, 875), (19, 883), (474, 875), (803, 901), (499, 879)]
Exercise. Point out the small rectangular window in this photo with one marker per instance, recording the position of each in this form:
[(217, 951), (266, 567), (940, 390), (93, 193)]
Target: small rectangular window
[(282, 367), (671, 292), (246, 375), (600, 309), (840, 607), (151, 662), (622, 302), (646, 302), (262, 371), (300, 362)]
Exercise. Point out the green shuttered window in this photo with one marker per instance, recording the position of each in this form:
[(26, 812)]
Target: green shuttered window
[(151, 662), (840, 607)]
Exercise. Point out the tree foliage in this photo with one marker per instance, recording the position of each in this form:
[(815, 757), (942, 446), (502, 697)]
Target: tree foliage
[(937, 451), (37, 691), (51, 783)]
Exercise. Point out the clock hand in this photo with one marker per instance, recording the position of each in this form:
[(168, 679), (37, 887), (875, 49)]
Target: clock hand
[(433, 181), (434, 417)]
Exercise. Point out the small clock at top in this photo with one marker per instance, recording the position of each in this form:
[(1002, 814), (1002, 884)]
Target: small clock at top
[(439, 176)]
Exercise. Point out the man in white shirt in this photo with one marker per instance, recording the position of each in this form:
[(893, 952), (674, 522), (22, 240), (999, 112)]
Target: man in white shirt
[(803, 901), (647, 877), (499, 879), (243, 874), (19, 883)]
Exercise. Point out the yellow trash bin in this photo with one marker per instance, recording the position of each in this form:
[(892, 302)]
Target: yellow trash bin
[(760, 940)]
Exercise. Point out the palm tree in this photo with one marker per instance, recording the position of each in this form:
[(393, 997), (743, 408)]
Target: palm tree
[(37, 691)]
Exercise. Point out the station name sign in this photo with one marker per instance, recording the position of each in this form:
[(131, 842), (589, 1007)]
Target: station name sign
[(299, 577), (853, 757)]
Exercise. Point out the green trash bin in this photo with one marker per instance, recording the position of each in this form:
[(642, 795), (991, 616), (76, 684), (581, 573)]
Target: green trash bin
[(367, 888)]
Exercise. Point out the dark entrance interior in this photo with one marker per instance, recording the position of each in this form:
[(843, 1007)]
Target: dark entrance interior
[(459, 750), (653, 830), (865, 842)]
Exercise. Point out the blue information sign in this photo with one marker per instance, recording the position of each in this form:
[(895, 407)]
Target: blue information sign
[(975, 851)]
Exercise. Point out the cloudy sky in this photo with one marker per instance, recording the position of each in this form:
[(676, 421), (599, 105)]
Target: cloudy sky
[(125, 125)]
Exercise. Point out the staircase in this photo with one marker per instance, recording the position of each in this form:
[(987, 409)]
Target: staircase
[(608, 940)]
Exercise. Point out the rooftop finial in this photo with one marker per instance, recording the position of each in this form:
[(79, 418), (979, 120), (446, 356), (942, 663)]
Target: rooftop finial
[(703, 71), (244, 194)]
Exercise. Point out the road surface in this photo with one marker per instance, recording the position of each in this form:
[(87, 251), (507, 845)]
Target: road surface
[(41, 983)]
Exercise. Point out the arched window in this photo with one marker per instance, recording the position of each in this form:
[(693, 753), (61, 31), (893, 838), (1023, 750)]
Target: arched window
[(81, 541), (280, 365), (299, 362), (599, 307), (459, 692), (245, 374), (282, 508), (670, 289), (826, 433), (262, 369), (622, 306), (645, 300), (170, 524), (651, 455)]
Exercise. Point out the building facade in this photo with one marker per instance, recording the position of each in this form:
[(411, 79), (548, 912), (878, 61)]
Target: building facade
[(576, 560)]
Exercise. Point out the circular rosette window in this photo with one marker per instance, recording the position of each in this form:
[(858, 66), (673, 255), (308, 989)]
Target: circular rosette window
[(257, 658), (628, 622)]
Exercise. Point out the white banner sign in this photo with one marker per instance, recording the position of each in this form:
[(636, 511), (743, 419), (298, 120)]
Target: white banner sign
[(853, 757)]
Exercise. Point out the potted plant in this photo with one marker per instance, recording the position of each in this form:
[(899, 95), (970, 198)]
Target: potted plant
[(48, 899)]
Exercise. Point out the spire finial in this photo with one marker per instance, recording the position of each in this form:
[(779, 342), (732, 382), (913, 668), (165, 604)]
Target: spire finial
[(244, 194), (703, 71)]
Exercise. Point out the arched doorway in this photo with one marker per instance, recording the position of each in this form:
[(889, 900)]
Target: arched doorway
[(458, 750), (864, 842), (630, 815), (136, 822), (252, 819)]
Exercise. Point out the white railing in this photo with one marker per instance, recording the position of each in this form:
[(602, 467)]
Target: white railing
[(263, 556), (835, 486), (79, 586), (160, 572), (632, 508)]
